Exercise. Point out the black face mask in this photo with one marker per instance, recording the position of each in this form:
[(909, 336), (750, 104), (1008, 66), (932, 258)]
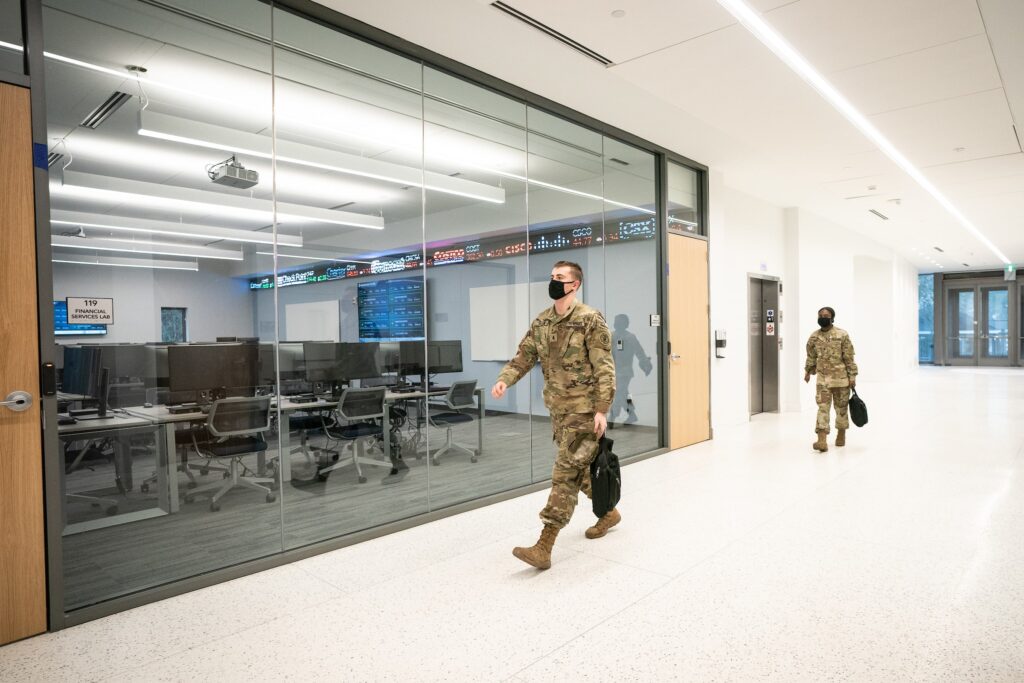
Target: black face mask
[(824, 322), (556, 289)]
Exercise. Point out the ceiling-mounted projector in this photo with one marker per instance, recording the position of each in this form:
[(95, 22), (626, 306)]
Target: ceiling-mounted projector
[(233, 174)]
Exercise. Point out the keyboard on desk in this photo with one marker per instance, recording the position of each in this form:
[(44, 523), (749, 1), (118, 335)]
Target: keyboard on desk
[(183, 408), (303, 398)]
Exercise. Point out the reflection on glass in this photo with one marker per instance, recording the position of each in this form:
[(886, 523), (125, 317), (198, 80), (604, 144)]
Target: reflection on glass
[(683, 199), (965, 323), (11, 42), (997, 322)]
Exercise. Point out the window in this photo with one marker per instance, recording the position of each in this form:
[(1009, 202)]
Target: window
[(173, 325), (926, 319)]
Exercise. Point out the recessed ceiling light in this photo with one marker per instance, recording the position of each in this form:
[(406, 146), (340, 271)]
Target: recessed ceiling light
[(959, 149), (619, 13), (763, 31)]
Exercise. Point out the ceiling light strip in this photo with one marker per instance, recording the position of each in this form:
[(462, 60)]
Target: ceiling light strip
[(174, 129), (315, 257), (131, 246), (205, 232), (753, 22), (201, 201), (119, 262)]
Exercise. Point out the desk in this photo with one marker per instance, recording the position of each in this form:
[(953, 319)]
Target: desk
[(166, 420), (120, 425)]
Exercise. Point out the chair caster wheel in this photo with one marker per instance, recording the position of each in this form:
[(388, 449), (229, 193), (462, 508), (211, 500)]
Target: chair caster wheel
[(189, 499), (204, 471), (191, 485), (435, 461), (321, 477), (224, 476), (362, 480), (419, 456), (474, 459), (112, 510), (144, 488), (95, 505), (271, 497), (334, 458), (214, 507)]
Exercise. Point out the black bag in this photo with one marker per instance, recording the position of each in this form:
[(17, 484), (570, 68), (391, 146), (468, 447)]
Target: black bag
[(605, 478), (858, 411)]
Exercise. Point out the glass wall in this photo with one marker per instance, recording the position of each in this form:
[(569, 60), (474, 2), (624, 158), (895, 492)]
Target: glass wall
[(287, 272), (11, 40), (926, 318)]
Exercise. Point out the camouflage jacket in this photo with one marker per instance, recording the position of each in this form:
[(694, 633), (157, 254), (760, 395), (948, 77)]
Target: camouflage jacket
[(575, 356), (830, 357)]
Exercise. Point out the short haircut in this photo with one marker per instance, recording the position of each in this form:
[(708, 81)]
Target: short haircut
[(831, 311), (574, 268)]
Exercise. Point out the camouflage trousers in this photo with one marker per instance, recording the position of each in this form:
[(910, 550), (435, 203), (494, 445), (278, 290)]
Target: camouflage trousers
[(826, 397), (577, 446)]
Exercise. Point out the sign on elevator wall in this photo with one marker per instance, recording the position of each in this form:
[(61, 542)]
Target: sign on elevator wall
[(769, 329), (90, 311)]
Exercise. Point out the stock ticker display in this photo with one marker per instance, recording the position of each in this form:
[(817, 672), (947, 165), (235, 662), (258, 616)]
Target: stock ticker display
[(573, 237)]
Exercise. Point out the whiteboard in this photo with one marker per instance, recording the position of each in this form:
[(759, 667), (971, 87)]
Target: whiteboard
[(317, 320), (500, 315)]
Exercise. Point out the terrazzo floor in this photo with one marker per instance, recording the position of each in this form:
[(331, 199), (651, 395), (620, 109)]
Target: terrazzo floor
[(748, 558)]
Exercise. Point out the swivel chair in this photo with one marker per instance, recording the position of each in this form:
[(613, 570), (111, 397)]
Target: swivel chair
[(460, 397), (360, 418), (235, 427)]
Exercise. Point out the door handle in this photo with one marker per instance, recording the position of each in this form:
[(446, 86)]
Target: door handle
[(18, 401), (674, 356)]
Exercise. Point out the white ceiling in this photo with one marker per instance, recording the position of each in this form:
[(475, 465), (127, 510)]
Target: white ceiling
[(941, 79)]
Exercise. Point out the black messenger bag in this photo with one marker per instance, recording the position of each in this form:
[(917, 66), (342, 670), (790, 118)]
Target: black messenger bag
[(605, 478), (858, 411)]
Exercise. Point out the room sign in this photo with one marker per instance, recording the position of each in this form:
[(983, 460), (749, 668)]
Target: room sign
[(90, 311)]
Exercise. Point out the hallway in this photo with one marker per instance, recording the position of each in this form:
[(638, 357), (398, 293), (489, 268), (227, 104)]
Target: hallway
[(750, 557)]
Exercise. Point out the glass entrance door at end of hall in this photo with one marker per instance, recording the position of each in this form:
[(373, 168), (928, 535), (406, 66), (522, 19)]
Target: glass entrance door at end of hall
[(978, 324)]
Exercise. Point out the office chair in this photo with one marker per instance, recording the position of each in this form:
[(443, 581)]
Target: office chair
[(93, 450), (304, 424), (235, 427), (460, 397), (362, 411)]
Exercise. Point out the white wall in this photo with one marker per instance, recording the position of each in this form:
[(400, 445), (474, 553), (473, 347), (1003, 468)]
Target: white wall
[(872, 289), (218, 305)]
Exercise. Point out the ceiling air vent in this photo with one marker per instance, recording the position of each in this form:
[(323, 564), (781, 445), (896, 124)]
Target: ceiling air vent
[(939, 249), (101, 113), (619, 161), (879, 214), (560, 37)]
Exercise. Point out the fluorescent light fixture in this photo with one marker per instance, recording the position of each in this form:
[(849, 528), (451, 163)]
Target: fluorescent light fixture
[(314, 256), (131, 246), (173, 197), (205, 232), (795, 61), (174, 129), (125, 262)]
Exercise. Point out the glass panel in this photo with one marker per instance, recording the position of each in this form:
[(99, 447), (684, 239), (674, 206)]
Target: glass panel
[(351, 299), (961, 324), (566, 212), (683, 199), (477, 287), (631, 294), (11, 41), (997, 323), (145, 213), (926, 318)]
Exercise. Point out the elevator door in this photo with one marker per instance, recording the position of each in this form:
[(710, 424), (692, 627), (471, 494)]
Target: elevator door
[(764, 336)]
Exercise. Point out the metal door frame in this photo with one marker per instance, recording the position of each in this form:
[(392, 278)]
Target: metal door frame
[(1015, 290), (778, 321)]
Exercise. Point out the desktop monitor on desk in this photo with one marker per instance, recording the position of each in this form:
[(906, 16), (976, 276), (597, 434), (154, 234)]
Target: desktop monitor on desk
[(220, 369), (289, 356), (84, 375), (337, 362), (444, 356), (125, 362)]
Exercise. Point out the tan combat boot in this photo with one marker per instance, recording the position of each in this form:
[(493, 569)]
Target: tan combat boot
[(841, 438), (821, 445), (539, 555), (610, 519)]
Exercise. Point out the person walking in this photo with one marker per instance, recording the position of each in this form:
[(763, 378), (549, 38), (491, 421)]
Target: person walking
[(830, 357), (573, 345)]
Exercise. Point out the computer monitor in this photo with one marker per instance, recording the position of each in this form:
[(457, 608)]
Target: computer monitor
[(340, 362), (444, 356), (213, 367), (290, 357), (128, 362), (84, 375), (412, 358)]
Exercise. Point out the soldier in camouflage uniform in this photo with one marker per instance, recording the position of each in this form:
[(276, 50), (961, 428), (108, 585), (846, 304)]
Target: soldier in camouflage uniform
[(830, 357), (572, 343)]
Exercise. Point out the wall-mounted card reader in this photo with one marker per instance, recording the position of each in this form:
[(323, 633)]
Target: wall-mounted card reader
[(719, 343)]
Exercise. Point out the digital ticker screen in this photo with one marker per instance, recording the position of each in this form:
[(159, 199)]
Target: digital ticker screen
[(391, 310)]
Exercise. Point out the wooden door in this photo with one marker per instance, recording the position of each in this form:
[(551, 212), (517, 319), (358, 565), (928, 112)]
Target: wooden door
[(22, 537), (689, 337)]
